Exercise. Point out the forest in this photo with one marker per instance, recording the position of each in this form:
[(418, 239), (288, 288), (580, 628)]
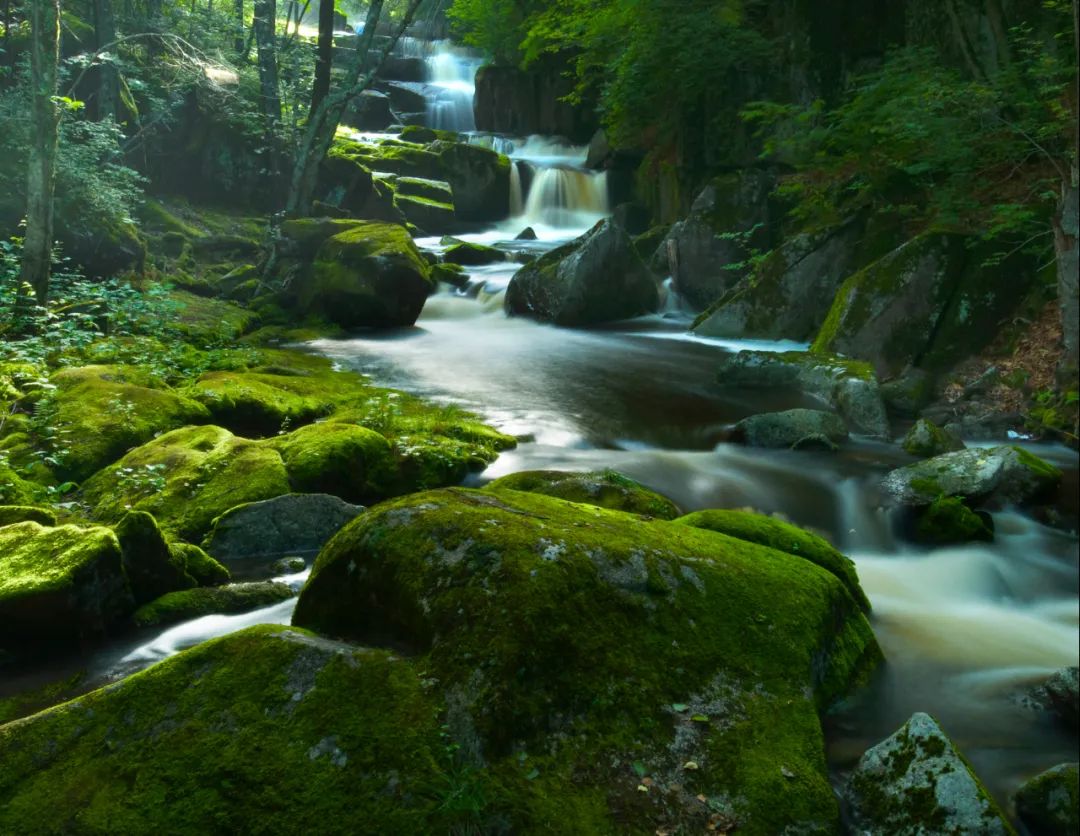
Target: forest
[(540, 417)]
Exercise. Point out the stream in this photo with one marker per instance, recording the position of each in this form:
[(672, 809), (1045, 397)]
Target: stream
[(964, 629)]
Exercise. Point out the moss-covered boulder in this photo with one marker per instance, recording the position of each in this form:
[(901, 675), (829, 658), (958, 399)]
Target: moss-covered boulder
[(270, 730), (887, 312), (794, 428), (451, 274), (186, 478), (1049, 803), (290, 524), (98, 413), (346, 460), (372, 275), (11, 514), (597, 278), (60, 584), (187, 604), (783, 537), (916, 782), (581, 650), (604, 489), (431, 215), (478, 177), (152, 568), (15, 490), (948, 520), (472, 255), (849, 386), (926, 439), (438, 190), (1003, 474)]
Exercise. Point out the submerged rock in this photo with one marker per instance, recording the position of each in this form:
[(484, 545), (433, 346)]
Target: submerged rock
[(1049, 803), (848, 386), (915, 783), (1060, 695), (597, 278), (794, 428), (948, 521), (193, 603), (1004, 474), (284, 525), (604, 489), (927, 439), (580, 649), (469, 254)]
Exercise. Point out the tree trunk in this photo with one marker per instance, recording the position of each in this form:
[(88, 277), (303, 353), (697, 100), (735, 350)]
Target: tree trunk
[(41, 163), (1067, 250), (108, 77), (265, 26), (324, 56), (238, 37)]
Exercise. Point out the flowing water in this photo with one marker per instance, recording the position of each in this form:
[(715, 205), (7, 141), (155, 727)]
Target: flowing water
[(965, 629)]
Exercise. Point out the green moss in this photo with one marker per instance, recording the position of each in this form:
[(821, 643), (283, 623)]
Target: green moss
[(429, 214), (604, 489), (417, 133), (345, 460), (948, 520), (927, 439), (576, 642), (452, 274), (199, 565), (411, 160), (470, 254), (186, 478), (436, 190), (97, 413), (783, 537), (269, 730), (193, 603), (151, 567), (15, 490), (205, 321), (30, 702), (11, 514), (1040, 468), (1050, 802)]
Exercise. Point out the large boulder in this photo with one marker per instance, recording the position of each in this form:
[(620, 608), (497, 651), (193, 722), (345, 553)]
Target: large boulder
[(1002, 474), (270, 730), (915, 783), (369, 274), (847, 386), (479, 178), (794, 428), (1049, 803), (887, 313), (926, 439), (286, 525), (708, 252), (346, 460), (233, 598), (597, 278), (621, 666), (371, 110), (520, 102), (604, 489)]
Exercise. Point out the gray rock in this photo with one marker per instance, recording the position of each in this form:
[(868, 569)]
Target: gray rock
[(1060, 695), (907, 393), (926, 439), (849, 387), (1048, 803), (915, 783), (800, 428), (289, 565), (286, 525), (597, 278), (1005, 474), (479, 178)]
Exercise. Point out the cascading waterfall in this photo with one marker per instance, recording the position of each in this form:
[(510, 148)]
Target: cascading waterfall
[(559, 197), (451, 74), (517, 195)]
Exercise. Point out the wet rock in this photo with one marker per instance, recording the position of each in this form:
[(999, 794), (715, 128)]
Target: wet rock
[(479, 177), (792, 428), (1002, 474), (597, 278), (187, 604), (283, 525), (451, 274), (848, 386), (521, 102), (909, 392), (431, 217), (926, 439), (557, 627), (1060, 695), (1049, 803), (948, 521), (472, 255), (915, 782), (527, 234), (289, 565), (604, 489)]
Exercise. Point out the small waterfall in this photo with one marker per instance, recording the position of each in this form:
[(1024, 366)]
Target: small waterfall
[(559, 197), (517, 196), (451, 78)]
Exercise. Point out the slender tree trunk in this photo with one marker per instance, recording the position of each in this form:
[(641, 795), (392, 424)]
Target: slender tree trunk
[(108, 77), (265, 26), (41, 163), (324, 56), (1067, 249), (238, 37)]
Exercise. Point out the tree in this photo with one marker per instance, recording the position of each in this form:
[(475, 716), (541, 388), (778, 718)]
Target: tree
[(264, 25), (41, 161), (108, 77), (324, 56)]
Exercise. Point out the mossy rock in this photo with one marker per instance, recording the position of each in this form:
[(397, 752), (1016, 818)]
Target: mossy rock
[(794, 428), (948, 520), (451, 274), (418, 133), (269, 730), (783, 537), (61, 584), (581, 649), (345, 460), (100, 412), (192, 603), (15, 490), (1049, 804), (11, 514), (926, 439), (604, 489), (917, 783), (199, 565), (186, 478), (210, 322), (468, 254), (431, 215), (479, 178), (437, 190), (151, 567)]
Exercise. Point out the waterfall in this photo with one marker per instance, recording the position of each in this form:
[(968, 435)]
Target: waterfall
[(560, 197), (517, 199), (451, 79)]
